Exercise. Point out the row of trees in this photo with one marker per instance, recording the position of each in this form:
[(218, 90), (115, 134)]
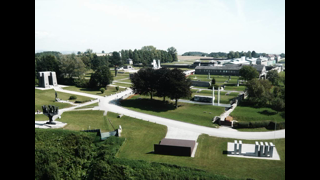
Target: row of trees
[(229, 55), (147, 53), (162, 83)]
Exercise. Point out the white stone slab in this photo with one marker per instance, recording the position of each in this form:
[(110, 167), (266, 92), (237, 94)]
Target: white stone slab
[(248, 149), (43, 125)]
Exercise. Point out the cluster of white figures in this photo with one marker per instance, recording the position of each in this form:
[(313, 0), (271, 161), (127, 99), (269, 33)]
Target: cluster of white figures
[(262, 150), (259, 150)]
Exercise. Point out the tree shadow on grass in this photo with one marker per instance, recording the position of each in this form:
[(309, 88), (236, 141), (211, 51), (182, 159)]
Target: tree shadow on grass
[(148, 104), (267, 112)]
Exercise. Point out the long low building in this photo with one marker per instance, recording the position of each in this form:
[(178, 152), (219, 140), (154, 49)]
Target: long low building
[(228, 69)]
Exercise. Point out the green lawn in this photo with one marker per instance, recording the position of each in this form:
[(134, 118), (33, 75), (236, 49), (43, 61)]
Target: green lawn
[(142, 135), (190, 113), (47, 97), (108, 91), (224, 99), (246, 113), (122, 84)]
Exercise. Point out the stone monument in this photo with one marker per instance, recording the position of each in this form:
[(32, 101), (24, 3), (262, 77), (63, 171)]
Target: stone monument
[(50, 111), (47, 78)]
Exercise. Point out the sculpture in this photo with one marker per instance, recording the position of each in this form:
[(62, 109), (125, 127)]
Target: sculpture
[(50, 111)]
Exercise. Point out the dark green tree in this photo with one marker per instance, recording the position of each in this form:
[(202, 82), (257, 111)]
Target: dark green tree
[(144, 81), (248, 73), (273, 77), (179, 85), (163, 76), (173, 52), (101, 78)]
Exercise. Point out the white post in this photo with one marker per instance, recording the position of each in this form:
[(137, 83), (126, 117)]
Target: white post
[(218, 95), (212, 95)]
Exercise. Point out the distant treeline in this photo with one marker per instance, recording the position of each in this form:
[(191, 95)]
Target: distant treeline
[(229, 55)]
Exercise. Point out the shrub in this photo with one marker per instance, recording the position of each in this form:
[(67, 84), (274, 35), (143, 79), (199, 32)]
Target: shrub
[(102, 90), (36, 81), (81, 82), (72, 97), (117, 88)]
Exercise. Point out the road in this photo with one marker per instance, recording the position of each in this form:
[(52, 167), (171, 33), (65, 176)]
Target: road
[(176, 129)]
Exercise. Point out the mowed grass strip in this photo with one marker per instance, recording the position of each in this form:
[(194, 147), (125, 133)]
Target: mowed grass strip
[(190, 113), (246, 113), (110, 90), (47, 97)]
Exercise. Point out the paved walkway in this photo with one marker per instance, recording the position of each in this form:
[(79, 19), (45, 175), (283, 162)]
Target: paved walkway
[(176, 129)]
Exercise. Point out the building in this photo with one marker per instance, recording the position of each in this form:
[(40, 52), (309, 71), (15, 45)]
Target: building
[(176, 147), (241, 60), (228, 69)]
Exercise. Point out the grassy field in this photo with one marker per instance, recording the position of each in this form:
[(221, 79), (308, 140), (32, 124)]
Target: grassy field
[(141, 136), (47, 97), (245, 113), (190, 113), (108, 91)]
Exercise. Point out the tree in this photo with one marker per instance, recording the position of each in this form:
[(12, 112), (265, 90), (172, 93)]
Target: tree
[(259, 92), (254, 54), (101, 78), (248, 73), (249, 55), (144, 81), (173, 52), (273, 77), (71, 65), (277, 104), (163, 76), (179, 85)]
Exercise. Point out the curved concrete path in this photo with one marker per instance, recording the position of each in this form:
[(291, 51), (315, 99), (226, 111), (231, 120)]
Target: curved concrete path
[(176, 129)]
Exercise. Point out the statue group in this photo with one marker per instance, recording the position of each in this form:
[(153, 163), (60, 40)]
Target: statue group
[(50, 111)]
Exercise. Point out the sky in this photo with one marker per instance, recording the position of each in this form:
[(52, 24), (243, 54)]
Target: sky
[(188, 25)]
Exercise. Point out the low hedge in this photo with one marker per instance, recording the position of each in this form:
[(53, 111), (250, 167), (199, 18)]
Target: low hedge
[(258, 124)]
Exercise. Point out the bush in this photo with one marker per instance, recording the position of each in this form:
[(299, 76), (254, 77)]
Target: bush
[(102, 90), (81, 82), (36, 81), (117, 88), (270, 125), (72, 97)]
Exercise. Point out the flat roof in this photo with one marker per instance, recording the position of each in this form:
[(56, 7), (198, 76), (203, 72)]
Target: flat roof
[(178, 142)]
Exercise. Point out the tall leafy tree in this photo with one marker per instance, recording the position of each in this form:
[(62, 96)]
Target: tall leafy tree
[(248, 73), (173, 52), (145, 81), (273, 77), (163, 75), (179, 85), (101, 77)]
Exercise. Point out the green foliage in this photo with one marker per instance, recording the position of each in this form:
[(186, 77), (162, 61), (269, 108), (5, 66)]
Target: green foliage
[(102, 90), (248, 73), (64, 154), (258, 124), (36, 82), (72, 97), (101, 77), (117, 88), (273, 77), (81, 82)]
